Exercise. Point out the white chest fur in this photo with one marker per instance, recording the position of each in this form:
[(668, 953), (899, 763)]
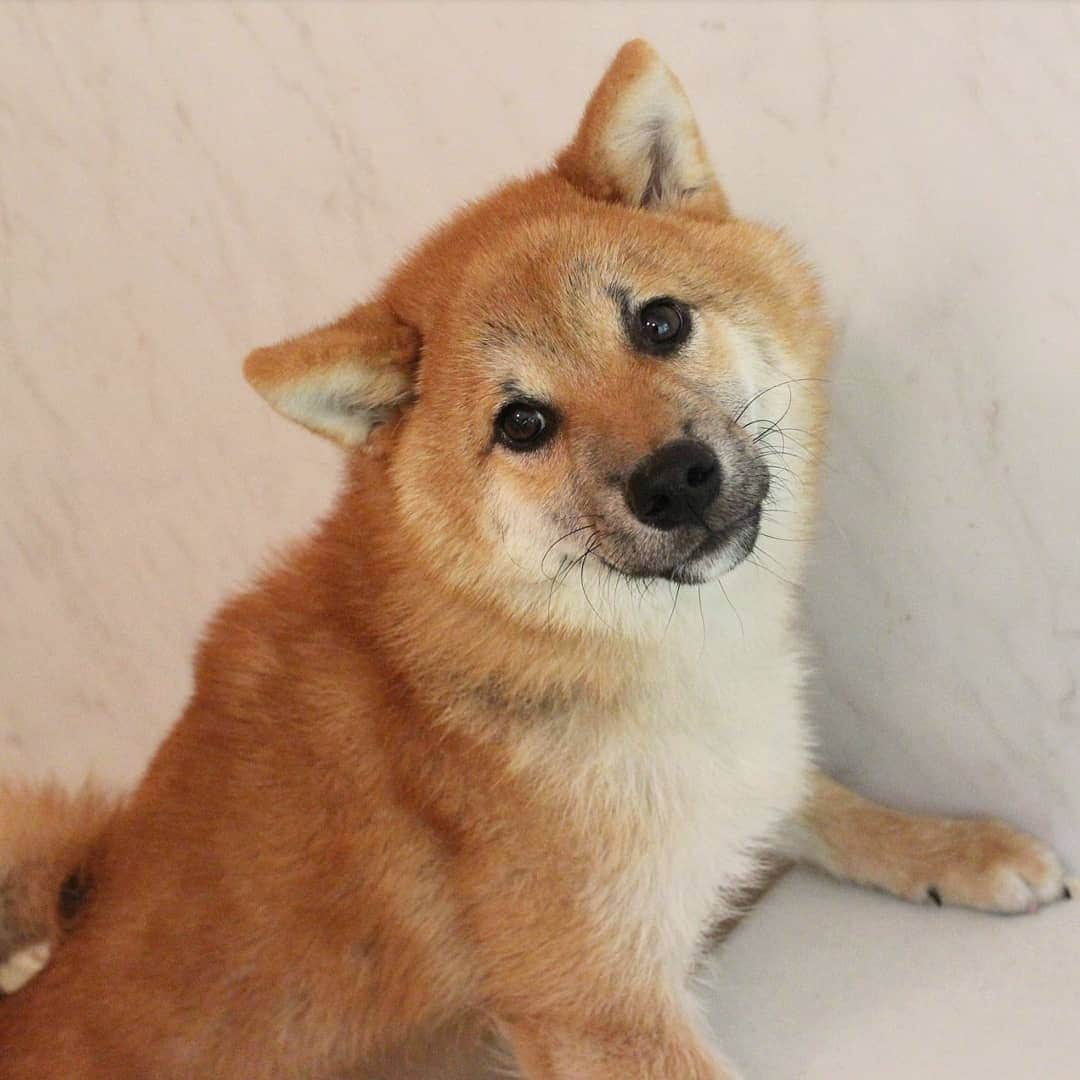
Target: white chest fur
[(698, 773)]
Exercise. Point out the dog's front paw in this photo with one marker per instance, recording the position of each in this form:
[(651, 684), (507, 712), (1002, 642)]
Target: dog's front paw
[(993, 867)]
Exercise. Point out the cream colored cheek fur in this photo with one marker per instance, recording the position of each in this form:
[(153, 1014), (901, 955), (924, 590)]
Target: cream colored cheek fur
[(530, 550)]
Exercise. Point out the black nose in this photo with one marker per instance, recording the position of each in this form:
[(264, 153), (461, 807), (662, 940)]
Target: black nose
[(674, 484)]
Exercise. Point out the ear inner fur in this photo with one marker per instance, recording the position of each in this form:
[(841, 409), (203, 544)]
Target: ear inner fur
[(638, 142), (343, 379)]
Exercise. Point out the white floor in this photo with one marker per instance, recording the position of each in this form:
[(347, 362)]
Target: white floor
[(830, 981)]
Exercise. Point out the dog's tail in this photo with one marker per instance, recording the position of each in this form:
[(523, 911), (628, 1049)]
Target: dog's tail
[(48, 837)]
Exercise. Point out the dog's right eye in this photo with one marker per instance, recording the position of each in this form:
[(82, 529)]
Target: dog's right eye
[(524, 425)]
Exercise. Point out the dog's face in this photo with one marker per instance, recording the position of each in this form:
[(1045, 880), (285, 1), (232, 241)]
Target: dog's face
[(594, 379), (586, 369)]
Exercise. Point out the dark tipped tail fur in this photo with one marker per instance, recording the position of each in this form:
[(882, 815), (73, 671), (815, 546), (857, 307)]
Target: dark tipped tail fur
[(48, 837)]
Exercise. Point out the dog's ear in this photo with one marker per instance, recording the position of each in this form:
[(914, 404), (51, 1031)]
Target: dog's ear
[(343, 379), (638, 142)]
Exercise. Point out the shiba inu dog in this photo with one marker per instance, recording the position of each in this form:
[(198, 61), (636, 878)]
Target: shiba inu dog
[(486, 744)]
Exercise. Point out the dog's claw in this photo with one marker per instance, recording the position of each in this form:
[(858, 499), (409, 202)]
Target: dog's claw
[(934, 895)]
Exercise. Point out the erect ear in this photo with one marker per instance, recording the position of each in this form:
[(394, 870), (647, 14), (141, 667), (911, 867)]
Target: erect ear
[(638, 142), (342, 379)]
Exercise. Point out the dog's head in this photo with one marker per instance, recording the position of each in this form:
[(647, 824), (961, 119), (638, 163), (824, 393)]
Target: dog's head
[(594, 370)]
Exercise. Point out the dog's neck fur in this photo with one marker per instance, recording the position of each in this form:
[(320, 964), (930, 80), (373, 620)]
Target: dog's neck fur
[(531, 655), (465, 646)]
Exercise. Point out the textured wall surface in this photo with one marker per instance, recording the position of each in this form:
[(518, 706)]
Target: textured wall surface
[(181, 182)]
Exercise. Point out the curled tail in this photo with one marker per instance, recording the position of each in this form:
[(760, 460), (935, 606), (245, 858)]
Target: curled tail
[(48, 837)]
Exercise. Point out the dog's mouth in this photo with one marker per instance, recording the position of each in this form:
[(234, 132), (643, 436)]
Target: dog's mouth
[(710, 551), (731, 544)]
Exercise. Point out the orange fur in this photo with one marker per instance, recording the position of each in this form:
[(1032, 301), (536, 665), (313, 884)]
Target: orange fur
[(47, 836), (976, 863), (414, 785)]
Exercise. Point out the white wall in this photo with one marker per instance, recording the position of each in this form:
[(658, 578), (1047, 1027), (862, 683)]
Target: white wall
[(181, 182)]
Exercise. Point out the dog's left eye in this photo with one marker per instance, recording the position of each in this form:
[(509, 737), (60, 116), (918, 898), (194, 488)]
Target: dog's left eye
[(662, 324), (523, 425)]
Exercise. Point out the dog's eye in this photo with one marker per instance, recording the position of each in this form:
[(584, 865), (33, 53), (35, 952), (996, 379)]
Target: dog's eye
[(663, 324), (522, 425)]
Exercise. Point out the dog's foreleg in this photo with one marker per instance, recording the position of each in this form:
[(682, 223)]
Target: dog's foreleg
[(978, 863), (601, 1048)]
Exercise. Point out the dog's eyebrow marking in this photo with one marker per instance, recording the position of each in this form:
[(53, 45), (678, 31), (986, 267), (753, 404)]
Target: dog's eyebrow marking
[(685, 294), (620, 294), (496, 334), (514, 391), (580, 273)]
